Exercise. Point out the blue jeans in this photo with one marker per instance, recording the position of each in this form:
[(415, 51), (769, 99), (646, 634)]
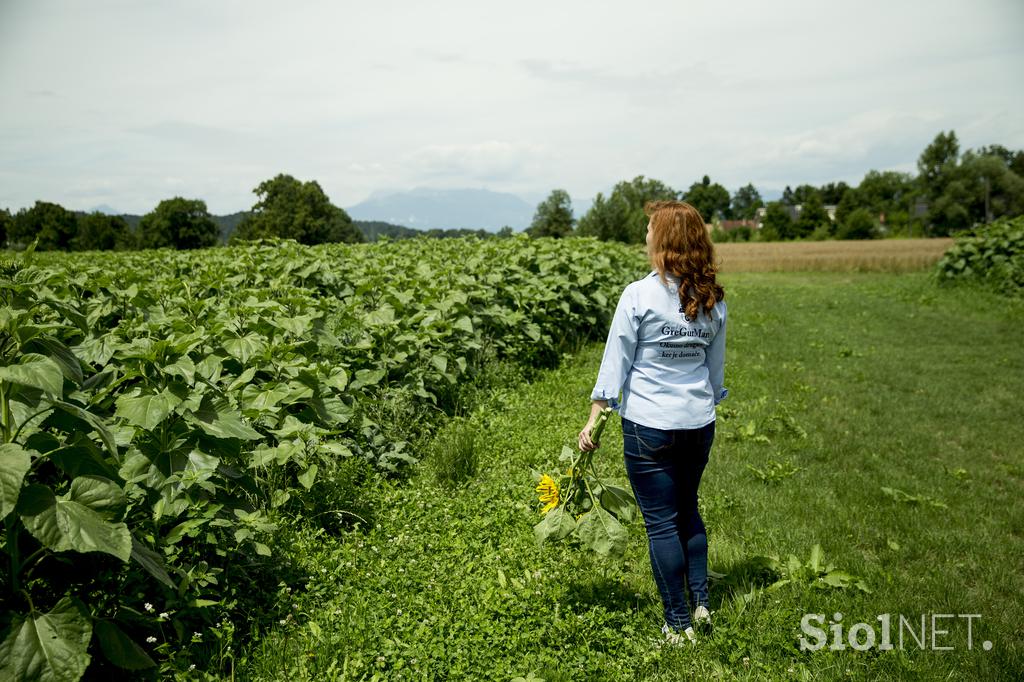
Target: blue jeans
[(664, 470)]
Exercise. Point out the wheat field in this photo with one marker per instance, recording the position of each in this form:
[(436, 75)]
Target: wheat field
[(877, 255)]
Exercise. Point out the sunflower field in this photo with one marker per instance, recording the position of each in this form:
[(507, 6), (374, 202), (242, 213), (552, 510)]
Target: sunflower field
[(164, 415)]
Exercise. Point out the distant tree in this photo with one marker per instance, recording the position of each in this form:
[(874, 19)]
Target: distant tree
[(885, 191), (994, 189), (813, 216), (5, 226), (100, 232), (787, 197), (179, 224), (976, 187), (373, 230), (832, 193), (621, 217), (745, 202), (948, 213), (860, 224), (803, 193), (52, 224), (937, 164), (777, 223), (605, 220), (505, 232), (553, 217), (888, 195), (455, 233), (938, 184), (710, 199), (1014, 160), (291, 209)]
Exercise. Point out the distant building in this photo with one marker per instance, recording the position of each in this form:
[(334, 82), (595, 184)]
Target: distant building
[(794, 212), (920, 209), (729, 225)]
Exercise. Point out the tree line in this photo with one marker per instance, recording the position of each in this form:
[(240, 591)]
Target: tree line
[(285, 207), (951, 191)]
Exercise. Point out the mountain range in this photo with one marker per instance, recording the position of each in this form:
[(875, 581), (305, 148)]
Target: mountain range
[(425, 209)]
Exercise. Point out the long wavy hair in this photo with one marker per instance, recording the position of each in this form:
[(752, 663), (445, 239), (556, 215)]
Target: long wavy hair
[(680, 245)]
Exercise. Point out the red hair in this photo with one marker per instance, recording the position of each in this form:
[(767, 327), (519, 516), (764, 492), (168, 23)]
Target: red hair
[(681, 245)]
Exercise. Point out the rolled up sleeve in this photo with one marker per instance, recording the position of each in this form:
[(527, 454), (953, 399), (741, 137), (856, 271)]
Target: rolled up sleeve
[(619, 350), (714, 358)]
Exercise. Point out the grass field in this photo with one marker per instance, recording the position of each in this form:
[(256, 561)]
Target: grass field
[(840, 385), (872, 255)]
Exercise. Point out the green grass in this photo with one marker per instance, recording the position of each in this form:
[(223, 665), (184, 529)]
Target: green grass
[(858, 382)]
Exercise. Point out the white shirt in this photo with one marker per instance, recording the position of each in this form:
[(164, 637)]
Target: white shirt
[(669, 369)]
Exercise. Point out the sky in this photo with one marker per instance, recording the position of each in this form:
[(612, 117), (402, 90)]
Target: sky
[(125, 103)]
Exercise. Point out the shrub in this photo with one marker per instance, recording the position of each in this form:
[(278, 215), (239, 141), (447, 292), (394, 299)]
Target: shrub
[(992, 255), (860, 224)]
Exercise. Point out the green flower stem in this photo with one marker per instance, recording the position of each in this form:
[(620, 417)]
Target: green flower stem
[(17, 433), (12, 549), (602, 420), (5, 413)]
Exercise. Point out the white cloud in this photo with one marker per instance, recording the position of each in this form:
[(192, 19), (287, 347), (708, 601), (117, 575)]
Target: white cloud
[(486, 161), (106, 100)]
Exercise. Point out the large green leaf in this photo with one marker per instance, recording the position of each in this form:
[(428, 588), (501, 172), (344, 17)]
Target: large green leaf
[(25, 414), (555, 525), (210, 368), (337, 380), (331, 410), (244, 347), (48, 647), (146, 410), (65, 523), (102, 495), (14, 464), (220, 421), (256, 398), (184, 368), (600, 531), (384, 315), (200, 466), (81, 457), (92, 420), (120, 649), (62, 355), (297, 326), (619, 502), (36, 371), (98, 349), (264, 455), (367, 377), (307, 477), (152, 562)]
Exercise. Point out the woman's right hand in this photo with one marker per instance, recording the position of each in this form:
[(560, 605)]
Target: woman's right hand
[(584, 441)]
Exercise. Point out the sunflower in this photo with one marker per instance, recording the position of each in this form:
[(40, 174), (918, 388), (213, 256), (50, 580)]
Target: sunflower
[(548, 493)]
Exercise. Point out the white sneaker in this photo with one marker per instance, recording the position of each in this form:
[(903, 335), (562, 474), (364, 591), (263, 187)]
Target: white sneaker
[(687, 636), (702, 618)]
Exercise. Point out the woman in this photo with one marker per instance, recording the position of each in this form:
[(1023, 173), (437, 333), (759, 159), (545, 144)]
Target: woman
[(666, 354)]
